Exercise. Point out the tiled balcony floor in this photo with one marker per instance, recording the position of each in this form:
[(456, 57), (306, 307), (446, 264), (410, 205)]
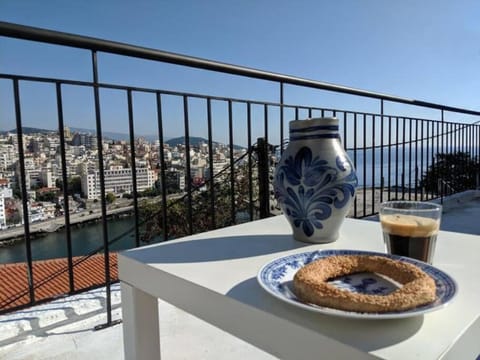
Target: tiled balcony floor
[(463, 217)]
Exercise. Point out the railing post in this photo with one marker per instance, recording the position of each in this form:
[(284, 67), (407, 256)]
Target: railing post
[(438, 151), (381, 151), (23, 188), (66, 206), (101, 172), (263, 178)]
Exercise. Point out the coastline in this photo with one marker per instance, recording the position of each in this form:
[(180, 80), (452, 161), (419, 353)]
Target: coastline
[(367, 201), (13, 235)]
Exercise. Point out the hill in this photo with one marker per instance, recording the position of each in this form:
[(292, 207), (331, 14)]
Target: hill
[(29, 130), (196, 141), (108, 135)]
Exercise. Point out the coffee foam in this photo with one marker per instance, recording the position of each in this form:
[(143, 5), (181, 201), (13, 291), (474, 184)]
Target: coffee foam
[(409, 225)]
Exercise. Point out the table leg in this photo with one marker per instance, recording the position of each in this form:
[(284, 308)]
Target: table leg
[(141, 331)]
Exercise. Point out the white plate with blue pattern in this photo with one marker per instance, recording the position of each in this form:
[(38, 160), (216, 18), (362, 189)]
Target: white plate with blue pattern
[(277, 275)]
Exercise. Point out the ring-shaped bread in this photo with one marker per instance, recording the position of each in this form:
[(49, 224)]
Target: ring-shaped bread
[(311, 286)]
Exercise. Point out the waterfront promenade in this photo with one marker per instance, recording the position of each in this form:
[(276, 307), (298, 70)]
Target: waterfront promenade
[(59, 222), (366, 202)]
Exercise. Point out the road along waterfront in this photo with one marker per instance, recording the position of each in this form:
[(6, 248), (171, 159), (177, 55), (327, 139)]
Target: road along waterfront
[(52, 225)]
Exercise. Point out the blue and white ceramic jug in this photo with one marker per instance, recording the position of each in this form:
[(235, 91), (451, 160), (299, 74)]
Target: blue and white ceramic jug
[(315, 180)]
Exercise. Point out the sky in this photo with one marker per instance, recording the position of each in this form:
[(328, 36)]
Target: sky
[(426, 50)]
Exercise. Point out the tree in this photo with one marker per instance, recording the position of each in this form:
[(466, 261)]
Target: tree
[(203, 218), (151, 192), (110, 197), (452, 172), (46, 196), (14, 218), (17, 193), (74, 185)]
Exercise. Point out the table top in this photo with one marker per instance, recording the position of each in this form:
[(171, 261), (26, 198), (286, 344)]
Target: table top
[(213, 276)]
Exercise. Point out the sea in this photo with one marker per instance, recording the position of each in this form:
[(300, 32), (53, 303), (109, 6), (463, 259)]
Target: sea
[(393, 166)]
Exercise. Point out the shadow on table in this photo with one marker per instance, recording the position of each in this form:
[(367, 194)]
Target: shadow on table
[(367, 335), (213, 249)]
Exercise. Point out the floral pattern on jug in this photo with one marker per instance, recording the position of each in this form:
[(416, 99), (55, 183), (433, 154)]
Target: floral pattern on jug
[(315, 180)]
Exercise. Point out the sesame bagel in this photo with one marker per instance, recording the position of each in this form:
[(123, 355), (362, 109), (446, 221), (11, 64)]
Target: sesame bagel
[(311, 284)]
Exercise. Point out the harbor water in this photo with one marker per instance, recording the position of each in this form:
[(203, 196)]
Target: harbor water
[(86, 238)]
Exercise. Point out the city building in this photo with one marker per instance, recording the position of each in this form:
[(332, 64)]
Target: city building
[(3, 214), (46, 178), (5, 188), (88, 140), (8, 156), (117, 181), (43, 163)]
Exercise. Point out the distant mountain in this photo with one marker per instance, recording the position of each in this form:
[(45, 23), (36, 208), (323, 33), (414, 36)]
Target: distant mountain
[(29, 130), (114, 135), (106, 134), (196, 141)]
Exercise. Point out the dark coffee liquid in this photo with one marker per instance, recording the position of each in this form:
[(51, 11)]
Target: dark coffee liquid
[(415, 247)]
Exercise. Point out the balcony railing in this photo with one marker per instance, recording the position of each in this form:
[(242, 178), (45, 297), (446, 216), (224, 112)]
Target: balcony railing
[(391, 152)]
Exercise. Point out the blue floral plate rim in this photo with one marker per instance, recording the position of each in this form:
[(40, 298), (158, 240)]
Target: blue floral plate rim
[(276, 276)]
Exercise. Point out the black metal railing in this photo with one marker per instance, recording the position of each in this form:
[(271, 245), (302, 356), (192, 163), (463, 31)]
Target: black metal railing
[(393, 153)]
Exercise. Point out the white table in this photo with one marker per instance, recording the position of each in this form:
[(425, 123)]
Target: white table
[(213, 276)]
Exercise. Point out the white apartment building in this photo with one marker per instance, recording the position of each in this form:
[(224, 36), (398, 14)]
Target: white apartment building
[(117, 180), (46, 177), (3, 215), (52, 143), (8, 156), (41, 211), (78, 150), (5, 188), (32, 172), (217, 167)]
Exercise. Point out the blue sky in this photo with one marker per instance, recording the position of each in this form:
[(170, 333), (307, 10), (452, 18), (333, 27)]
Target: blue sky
[(427, 50)]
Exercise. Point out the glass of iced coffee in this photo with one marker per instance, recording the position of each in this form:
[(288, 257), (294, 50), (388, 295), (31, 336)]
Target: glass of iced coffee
[(410, 228)]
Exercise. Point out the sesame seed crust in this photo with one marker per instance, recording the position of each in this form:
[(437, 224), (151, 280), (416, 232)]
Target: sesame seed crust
[(311, 286)]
